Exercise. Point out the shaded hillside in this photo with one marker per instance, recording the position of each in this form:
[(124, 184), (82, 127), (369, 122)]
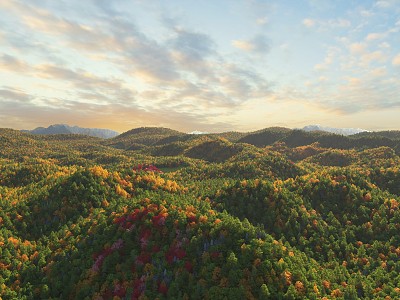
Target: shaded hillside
[(266, 136), (145, 136), (213, 150), (297, 138), (16, 144), (140, 138), (292, 138), (171, 149), (339, 158), (232, 136), (390, 134)]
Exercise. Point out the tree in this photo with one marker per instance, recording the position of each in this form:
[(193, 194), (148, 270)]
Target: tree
[(264, 292)]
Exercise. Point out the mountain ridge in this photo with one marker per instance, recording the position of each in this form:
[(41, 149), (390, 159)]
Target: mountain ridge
[(66, 129), (109, 133), (342, 131)]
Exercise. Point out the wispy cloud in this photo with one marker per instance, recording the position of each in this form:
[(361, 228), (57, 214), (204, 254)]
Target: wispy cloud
[(258, 44), (357, 48), (12, 64), (396, 60), (375, 36), (326, 24), (383, 4), (366, 13), (13, 95), (309, 22), (329, 59), (262, 21)]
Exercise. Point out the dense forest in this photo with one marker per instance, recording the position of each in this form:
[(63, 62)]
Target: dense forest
[(159, 214)]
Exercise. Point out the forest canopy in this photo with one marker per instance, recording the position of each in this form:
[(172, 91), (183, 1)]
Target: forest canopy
[(158, 214)]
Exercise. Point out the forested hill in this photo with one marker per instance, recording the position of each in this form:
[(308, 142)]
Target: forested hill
[(159, 214), (141, 138)]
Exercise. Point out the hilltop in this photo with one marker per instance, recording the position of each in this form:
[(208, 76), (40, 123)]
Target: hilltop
[(164, 141)]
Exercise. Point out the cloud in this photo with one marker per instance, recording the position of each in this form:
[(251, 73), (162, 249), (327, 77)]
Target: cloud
[(326, 63), (79, 78), (260, 9), (379, 72), (14, 95), (354, 94), (185, 65), (51, 35), (193, 52), (366, 13), (235, 86), (27, 115), (195, 45), (322, 79), (137, 64), (86, 83), (243, 45), (384, 45), (326, 24), (370, 57), (141, 56), (262, 21), (396, 60), (357, 48), (375, 36), (43, 21), (339, 23), (383, 4), (261, 44), (13, 64), (309, 23), (258, 44), (354, 81)]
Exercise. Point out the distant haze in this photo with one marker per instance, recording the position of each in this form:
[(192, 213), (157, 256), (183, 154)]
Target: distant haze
[(66, 129), (343, 131)]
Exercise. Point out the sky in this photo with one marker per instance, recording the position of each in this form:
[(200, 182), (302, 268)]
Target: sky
[(211, 66)]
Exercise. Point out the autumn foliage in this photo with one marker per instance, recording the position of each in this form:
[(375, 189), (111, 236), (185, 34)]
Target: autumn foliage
[(275, 214)]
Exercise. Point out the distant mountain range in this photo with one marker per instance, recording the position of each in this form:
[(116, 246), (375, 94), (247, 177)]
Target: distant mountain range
[(66, 129), (342, 131), (144, 131)]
